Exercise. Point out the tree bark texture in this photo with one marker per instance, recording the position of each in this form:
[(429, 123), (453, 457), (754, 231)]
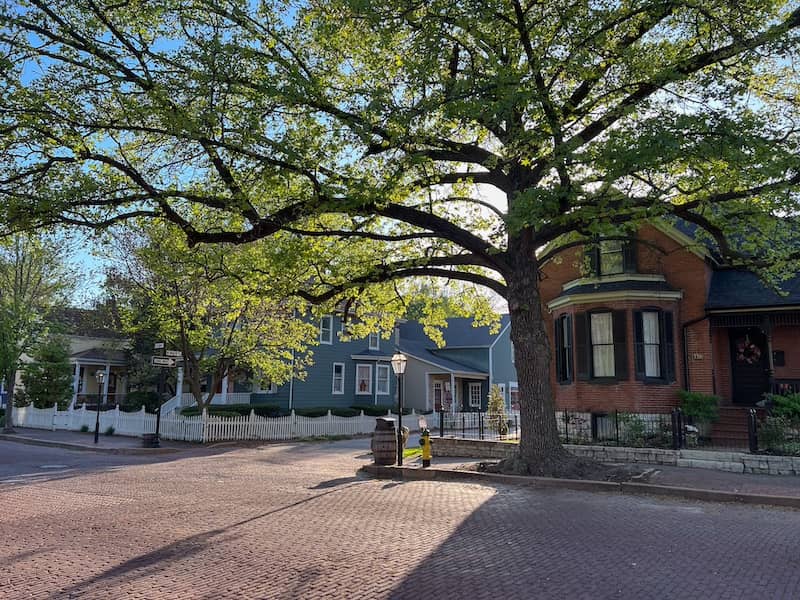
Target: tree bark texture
[(541, 451)]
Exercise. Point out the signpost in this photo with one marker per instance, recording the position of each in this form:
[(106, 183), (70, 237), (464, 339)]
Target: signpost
[(174, 353), (163, 361)]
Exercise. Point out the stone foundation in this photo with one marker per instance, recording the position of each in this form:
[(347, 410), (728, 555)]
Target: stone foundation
[(735, 462)]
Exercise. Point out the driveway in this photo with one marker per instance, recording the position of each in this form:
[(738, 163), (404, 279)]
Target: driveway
[(293, 521)]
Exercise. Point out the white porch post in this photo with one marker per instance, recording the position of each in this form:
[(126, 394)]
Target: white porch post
[(105, 383), (223, 396), (76, 382), (453, 395), (179, 385), (427, 391)]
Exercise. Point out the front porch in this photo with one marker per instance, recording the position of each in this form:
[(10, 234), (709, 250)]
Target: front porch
[(100, 375), (453, 393), (755, 353)]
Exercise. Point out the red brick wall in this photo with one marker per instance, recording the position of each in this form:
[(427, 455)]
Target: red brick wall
[(788, 340), (684, 271)]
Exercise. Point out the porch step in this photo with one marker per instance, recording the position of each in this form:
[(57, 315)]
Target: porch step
[(730, 430)]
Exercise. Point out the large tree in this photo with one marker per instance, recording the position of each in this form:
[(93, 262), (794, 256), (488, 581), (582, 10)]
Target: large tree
[(34, 278), (450, 138), (223, 307)]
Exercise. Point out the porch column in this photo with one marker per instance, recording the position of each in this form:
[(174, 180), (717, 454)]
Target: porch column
[(453, 395), (223, 396), (179, 385), (427, 391), (770, 359), (105, 382), (76, 382)]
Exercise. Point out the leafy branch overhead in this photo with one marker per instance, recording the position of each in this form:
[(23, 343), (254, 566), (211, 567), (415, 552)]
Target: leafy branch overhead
[(413, 121)]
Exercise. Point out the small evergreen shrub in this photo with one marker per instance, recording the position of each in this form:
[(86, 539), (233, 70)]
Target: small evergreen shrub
[(371, 410), (702, 408), (84, 428), (110, 430), (785, 405)]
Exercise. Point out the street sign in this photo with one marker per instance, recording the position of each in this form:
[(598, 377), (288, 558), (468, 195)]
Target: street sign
[(175, 353), (158, 346), (163, 361)]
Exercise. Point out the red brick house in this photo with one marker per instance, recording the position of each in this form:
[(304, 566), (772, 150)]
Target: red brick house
[(633, 323)]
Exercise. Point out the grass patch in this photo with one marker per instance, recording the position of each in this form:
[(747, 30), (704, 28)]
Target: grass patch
[(412, 452)]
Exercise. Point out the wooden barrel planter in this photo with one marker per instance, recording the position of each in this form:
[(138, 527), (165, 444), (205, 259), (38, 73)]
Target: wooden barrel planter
[(384, 442)]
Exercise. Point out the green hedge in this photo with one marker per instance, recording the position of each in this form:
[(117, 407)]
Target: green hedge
[(236, 410), (321, 411), (135, 400), (371, 410)]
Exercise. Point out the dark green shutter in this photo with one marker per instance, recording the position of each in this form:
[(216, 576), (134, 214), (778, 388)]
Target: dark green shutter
[(582, 346), (594, 259), (568, 347), (559, 344), (619, 324), (668, 347), (638, 345), (629, 256)]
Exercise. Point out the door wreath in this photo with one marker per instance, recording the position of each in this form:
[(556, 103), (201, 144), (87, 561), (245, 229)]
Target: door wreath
[(747, 351)]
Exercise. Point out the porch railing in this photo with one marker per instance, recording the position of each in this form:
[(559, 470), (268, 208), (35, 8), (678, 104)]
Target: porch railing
[(785, 386)]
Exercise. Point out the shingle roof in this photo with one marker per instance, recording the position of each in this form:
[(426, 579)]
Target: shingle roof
[(459, 333), (618, 286), (743, 289), (101, 355), (421, 350)]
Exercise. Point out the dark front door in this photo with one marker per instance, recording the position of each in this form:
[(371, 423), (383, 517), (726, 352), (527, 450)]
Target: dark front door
[(749, 365)]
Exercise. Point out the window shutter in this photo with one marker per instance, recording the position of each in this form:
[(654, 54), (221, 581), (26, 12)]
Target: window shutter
[(668, 347), (619, 320), (594, 259), (559, 344), (582, 346), (568, 347), (638, 345), (629, 256)]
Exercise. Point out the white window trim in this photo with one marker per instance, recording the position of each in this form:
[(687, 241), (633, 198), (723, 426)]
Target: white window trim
[(368, 391), (471, 386), (377, 338), (333, 379), (330, 330), (379, 368)]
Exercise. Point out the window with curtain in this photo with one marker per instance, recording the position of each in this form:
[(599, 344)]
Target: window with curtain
[(602, 342), (654, 347), (374, 341), (337, 386), (651, 344), (382, 380), (363, 379)]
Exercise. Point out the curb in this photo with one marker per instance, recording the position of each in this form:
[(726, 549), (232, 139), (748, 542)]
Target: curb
[(632, 489), (83, 447)]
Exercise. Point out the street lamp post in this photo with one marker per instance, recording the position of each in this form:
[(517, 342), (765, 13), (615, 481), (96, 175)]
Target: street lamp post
[(99, 375), (399, 361)]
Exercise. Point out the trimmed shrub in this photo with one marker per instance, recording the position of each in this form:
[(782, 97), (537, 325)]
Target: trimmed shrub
[(371, 410), (236, 410), (110, 430), (84, 428), (785, 405), (703, 408), (135, 400)]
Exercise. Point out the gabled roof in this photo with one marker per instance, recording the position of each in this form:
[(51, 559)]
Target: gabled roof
[(101, 356), (422, 350), (617, 286), (459, 333), (743, 289)]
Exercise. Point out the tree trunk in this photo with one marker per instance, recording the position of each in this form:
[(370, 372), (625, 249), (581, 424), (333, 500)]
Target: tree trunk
[(540, 449), (9, 423)]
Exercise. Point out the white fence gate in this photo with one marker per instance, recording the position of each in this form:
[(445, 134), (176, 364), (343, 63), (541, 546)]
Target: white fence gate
[(203, 428)]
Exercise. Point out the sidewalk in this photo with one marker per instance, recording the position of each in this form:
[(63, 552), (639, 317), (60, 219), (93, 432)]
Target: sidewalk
[(685, 482), (76, 440)]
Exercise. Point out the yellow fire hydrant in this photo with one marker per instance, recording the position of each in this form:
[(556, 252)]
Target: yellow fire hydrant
[(425, 443)]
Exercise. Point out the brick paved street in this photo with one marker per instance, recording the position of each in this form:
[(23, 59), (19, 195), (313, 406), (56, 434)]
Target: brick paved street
[(292, 521)]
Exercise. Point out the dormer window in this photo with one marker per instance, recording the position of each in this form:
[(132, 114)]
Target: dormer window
[(612, 257), (374, 341)]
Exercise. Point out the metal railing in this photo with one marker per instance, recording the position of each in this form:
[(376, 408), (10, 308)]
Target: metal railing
[(479, 425)]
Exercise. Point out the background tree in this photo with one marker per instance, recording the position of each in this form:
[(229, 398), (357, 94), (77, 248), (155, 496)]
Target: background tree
[(47, 379), (33, 279), (216, 305), (449, 139)]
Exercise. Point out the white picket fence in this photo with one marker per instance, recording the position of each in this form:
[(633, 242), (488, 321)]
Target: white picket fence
[(203, 428)]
